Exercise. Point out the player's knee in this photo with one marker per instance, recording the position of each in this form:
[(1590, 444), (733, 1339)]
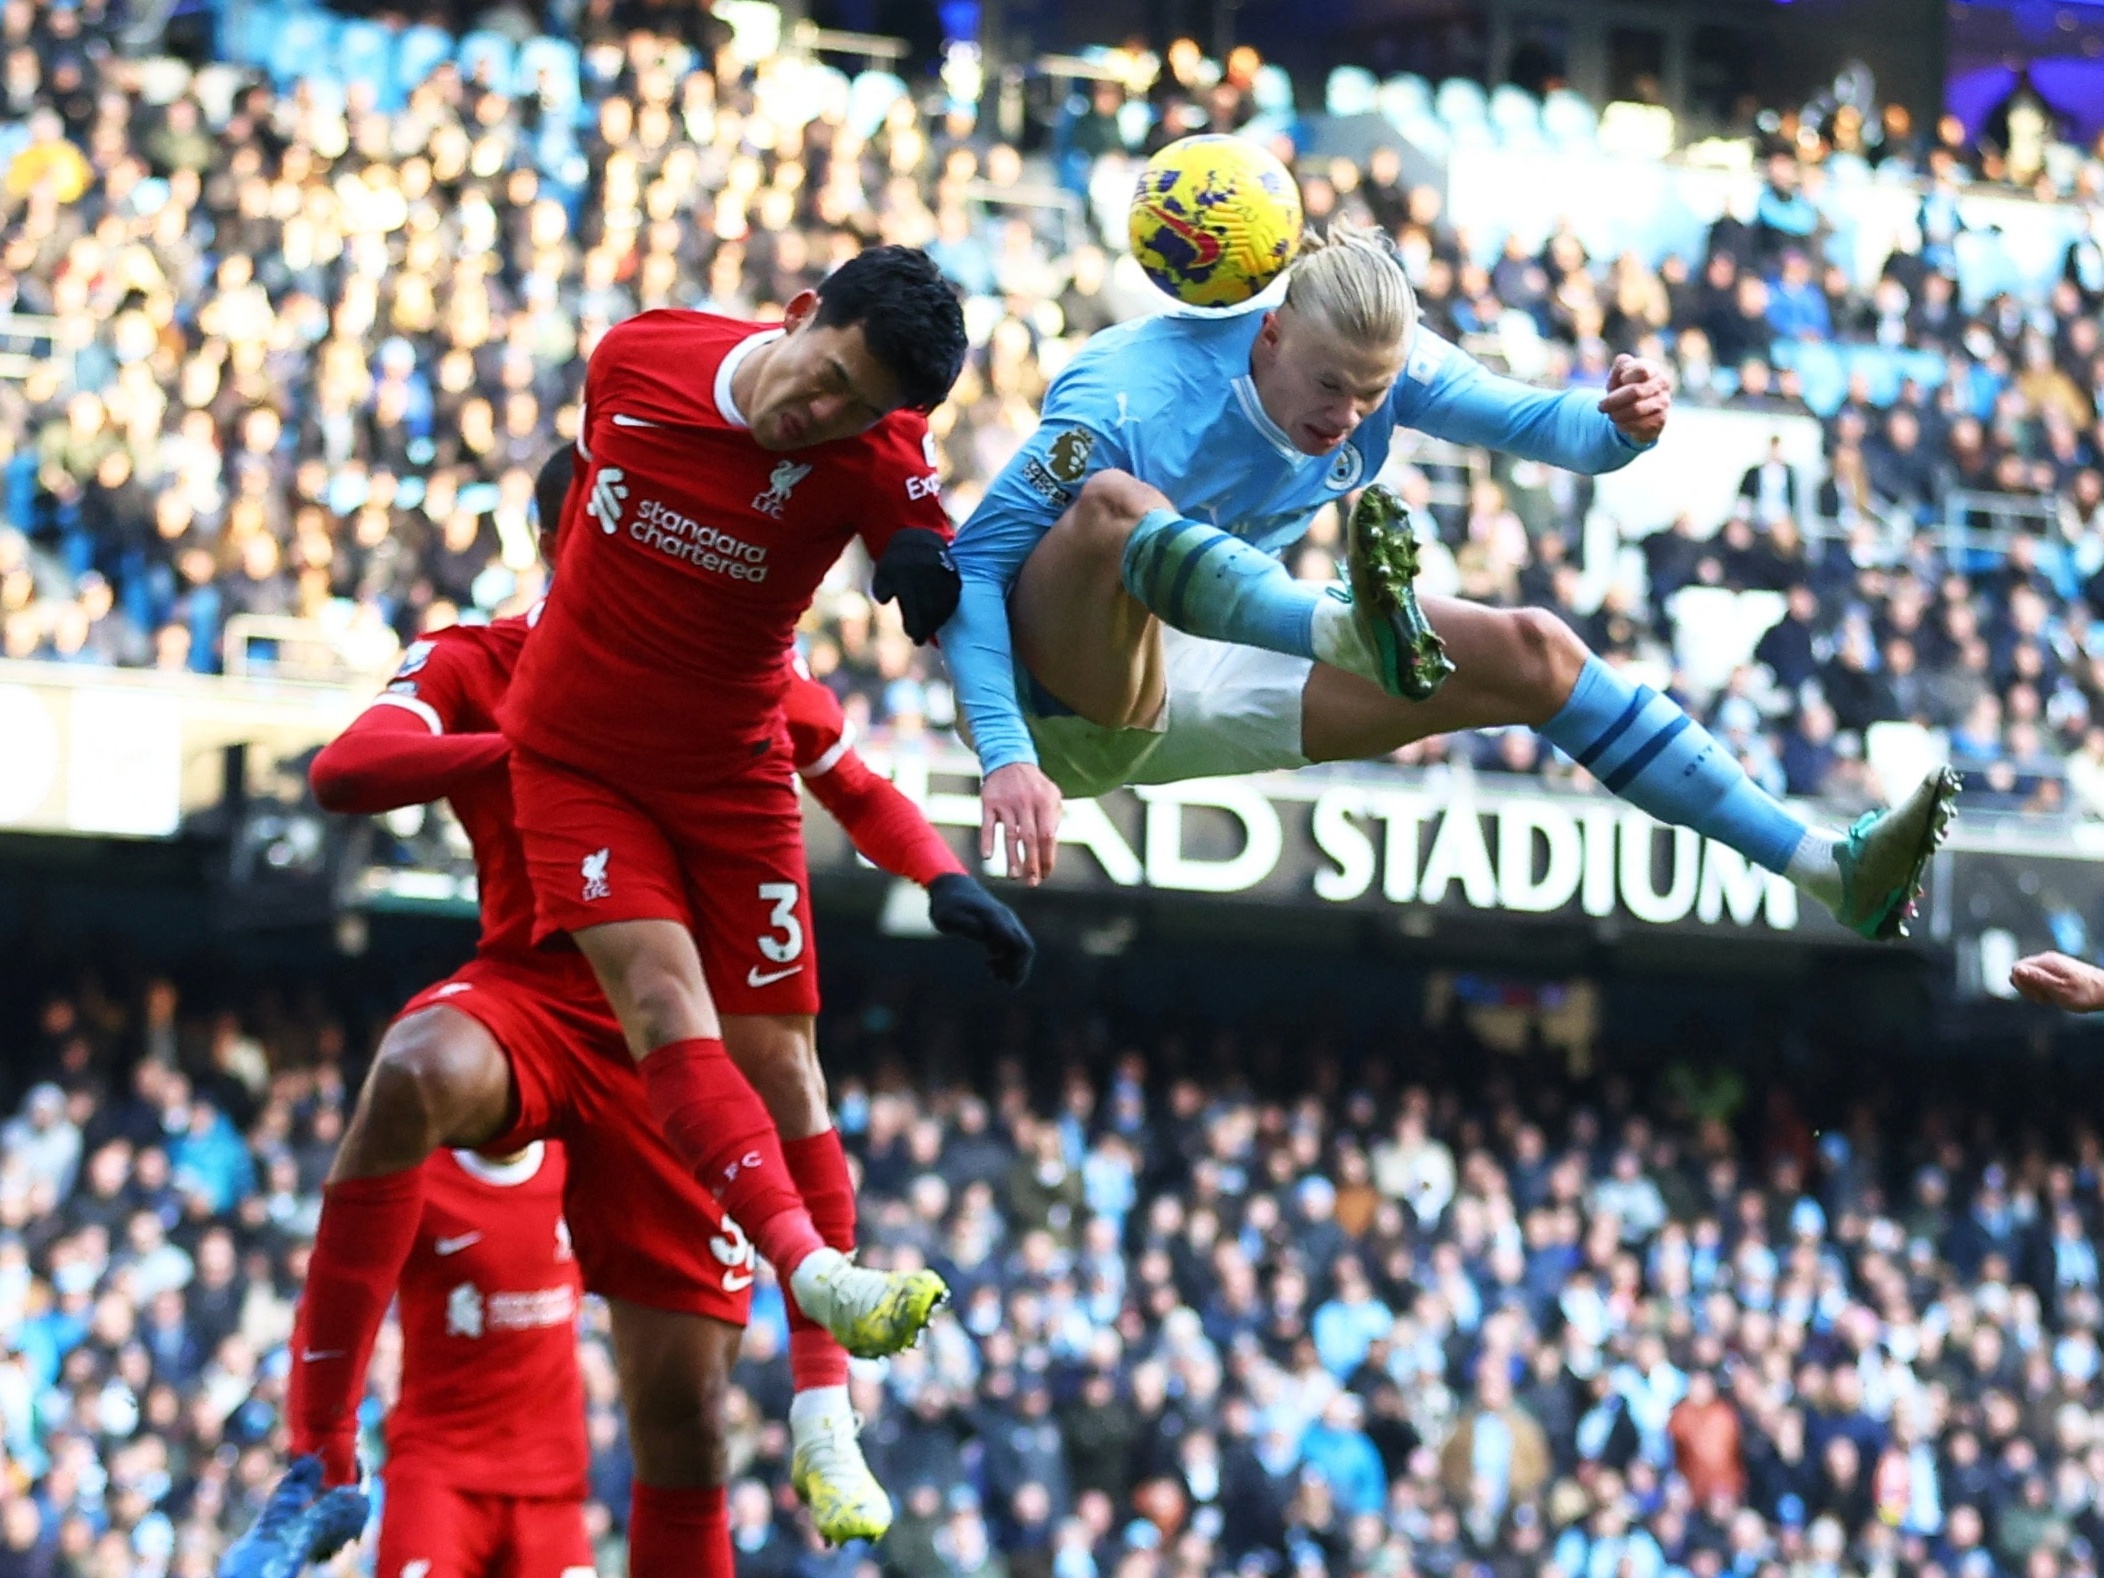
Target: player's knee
[(658, 998), (430, 1081), (1549, 658), (1112, 502)]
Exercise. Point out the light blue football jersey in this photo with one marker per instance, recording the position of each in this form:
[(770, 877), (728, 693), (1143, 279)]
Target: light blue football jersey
[(1170, 400)]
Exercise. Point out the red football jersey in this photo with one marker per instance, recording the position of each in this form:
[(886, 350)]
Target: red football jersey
[(688, 555), (819, 733), (454, 681), (492, 1400)]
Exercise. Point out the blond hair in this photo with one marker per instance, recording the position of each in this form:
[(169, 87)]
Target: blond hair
[(1350, 277)]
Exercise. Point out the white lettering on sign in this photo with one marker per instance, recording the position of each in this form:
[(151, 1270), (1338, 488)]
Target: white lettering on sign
[(1513, 853), (1548, 853), (1263, 839)]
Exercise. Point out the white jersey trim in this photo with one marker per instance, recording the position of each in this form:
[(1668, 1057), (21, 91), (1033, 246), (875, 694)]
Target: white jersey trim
[(1252, 405), (726, 406), (505, 1175), (423, 709), (831, 759)]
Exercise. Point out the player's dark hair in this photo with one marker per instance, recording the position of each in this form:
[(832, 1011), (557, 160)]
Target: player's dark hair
[(908, 313)]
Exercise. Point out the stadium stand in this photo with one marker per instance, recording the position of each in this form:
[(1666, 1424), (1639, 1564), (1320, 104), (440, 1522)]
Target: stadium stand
[(328, 302), (1461, 1314)]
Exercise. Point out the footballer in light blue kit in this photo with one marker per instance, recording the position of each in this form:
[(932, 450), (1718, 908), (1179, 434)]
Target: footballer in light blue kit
[(1125, 618)]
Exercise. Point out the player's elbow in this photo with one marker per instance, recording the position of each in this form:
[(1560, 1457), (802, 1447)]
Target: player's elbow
[(334, 781)]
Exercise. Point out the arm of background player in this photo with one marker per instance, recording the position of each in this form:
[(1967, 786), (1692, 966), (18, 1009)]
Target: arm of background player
[(884, 825), (1459, 399), (395, 754)]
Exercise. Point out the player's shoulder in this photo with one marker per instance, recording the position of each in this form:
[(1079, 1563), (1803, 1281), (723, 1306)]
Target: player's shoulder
[(660, 367), (681, 328), (1155, 366), (1433, 363)]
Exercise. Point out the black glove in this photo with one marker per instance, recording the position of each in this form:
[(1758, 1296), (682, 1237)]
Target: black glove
[(960, 907), (917, 570)]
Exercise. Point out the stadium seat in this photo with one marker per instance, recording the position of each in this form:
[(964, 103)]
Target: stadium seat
[(1459, 102), (248, 30), (870, 97), (305, 42), (365, 54), (1403, 95), (1351, 90), (1515, 115), (486, 55), (1272, 90), (1568, 121), (420, 51), (549, 66)]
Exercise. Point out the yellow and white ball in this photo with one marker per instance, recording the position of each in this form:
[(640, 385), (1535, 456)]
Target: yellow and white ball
[(1215, 220)]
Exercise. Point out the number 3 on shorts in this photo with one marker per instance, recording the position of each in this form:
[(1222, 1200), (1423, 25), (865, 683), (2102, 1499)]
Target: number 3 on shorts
[(790, 944)]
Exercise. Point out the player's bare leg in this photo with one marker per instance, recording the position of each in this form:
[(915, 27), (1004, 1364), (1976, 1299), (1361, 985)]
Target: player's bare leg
[(651, 973), (1511, 666), (1092, 644), (778, 1053), (439, 1078), (675, 1373), (1525, 667), (1087, 639)]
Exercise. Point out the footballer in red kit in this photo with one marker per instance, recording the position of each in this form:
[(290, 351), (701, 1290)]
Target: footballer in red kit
[(720, 470), (653, 773), (488, 1308)]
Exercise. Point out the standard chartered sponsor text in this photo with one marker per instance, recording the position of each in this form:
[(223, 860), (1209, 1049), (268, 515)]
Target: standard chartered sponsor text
[(657, 525)]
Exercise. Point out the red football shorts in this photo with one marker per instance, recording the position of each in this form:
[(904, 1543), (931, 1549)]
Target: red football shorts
[(643, 1228), (727, 862), (428, 1530)]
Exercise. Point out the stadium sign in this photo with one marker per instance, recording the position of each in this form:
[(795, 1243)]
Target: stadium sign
[(1383, 840), (126, 753)]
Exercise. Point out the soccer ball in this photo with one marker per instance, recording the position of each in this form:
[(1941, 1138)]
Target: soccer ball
[(1215, 220)]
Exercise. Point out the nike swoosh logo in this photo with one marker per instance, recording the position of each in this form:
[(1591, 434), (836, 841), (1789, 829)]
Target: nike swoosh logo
[(753, 977), (316, 1355), (620, 420), (453, 1246)]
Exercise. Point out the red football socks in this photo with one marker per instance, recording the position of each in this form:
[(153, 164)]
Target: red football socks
[(679, 1533), (717, 1123), (819, 1166), (368, 1226)]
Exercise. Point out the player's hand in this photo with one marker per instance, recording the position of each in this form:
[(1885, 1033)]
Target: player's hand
[(2060, 982), (1025, 805), (961, 907), (1639, 394), (916, 568)]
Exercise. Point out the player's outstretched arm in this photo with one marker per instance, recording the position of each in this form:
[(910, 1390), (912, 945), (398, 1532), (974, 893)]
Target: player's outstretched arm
[(2060, 982), (1459, 399), (390, 757)]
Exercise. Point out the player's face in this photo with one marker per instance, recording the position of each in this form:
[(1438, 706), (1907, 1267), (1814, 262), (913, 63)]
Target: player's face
[(818, 384), (1316, 384)]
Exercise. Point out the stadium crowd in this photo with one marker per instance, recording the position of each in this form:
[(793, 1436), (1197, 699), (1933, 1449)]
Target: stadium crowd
[(1466, 1317), (313, 352)]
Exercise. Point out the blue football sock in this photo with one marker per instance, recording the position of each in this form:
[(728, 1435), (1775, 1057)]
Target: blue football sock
[(1645, 749), (1211, 583)]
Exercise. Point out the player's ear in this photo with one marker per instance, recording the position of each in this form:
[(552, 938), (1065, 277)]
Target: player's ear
[(801, 306)]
